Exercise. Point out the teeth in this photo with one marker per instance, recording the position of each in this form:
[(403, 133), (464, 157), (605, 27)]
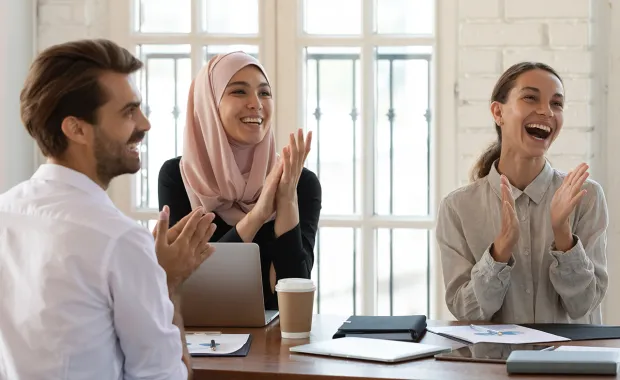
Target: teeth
[(256, 120), (539, 126)]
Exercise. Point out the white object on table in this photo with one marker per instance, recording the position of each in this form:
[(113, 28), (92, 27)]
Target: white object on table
[(370, 349), (200, 343), (511, 334)]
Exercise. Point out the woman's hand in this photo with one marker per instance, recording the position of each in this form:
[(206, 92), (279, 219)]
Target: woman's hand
[(509, 235), (563, 203), (264, 207), (293, 158)]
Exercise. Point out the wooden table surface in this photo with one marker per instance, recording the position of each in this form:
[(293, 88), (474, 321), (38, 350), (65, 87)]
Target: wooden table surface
[(269, 358)]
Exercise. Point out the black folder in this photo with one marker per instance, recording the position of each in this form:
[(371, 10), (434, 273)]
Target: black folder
[(409, 328), (577, 331)]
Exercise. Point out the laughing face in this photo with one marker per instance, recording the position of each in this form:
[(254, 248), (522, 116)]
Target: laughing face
[(246, 106), (121, 128), (532, 116)]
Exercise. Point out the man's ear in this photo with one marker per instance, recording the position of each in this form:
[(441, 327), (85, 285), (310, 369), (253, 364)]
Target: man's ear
[(75, 130), (496, 111)]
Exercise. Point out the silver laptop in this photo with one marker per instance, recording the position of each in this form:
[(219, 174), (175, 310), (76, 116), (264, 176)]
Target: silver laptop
[(227, 290)]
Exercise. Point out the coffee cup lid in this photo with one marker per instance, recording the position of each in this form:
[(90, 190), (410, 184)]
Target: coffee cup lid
[(295, 285)]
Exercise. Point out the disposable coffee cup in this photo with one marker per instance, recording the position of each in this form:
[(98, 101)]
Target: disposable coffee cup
[(295, 301)]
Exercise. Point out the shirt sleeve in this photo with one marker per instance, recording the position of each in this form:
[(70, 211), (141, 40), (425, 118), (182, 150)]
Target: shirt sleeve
[(475, 291), (579, 275), (142, 310), (293, 251), (171, 191)]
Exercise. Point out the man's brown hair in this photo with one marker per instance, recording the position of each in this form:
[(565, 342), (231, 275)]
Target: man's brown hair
[(63, 81)]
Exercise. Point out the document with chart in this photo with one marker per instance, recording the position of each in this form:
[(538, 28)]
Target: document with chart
[(510, 334)]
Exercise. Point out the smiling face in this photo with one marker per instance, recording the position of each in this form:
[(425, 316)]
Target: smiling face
[(120, 128), (246, 106), (532, 115)]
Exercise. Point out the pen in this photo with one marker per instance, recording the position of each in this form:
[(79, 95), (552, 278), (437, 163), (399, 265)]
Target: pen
[(213, 344), (486, 330)]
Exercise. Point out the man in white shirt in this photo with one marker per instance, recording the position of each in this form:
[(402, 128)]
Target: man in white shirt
[(86, 292)]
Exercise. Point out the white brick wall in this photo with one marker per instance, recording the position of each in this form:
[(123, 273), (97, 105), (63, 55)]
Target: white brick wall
[(63, 20), (494, 34)]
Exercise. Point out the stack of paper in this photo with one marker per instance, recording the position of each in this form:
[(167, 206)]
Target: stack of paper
[(510, 334)]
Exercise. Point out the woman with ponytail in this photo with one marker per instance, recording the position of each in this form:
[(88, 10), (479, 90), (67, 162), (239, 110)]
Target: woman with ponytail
[(524, 242)]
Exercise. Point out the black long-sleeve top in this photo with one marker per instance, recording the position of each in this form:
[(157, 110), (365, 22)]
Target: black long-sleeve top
[(292, 254)]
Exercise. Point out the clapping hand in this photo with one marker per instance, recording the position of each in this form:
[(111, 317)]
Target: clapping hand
[(293, 156), (181, 249), (563, 204), (509, 234)]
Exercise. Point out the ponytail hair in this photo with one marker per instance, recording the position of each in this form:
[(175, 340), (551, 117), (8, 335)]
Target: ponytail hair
[(500, 94), (482, 168)]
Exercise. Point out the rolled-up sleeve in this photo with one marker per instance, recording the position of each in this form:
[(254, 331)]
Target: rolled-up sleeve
[(579, 275), (474, 290), (142, 310)]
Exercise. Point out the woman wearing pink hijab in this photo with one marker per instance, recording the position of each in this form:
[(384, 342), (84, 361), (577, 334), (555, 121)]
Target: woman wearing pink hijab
[(230, 167)]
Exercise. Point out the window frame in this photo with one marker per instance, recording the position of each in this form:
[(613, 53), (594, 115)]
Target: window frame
[(280, 26)]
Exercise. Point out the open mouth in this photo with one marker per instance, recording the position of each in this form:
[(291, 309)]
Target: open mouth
[(134, 147), (538, 131), (255, 121)]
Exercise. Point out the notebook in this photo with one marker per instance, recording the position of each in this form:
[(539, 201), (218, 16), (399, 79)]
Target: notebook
[(370, 349), (409, 328), (563, 362), (199, 344)]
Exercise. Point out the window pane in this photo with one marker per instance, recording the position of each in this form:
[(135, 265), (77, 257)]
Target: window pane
[(230, 16), (333, 17), (212, 50), (333, 115), (402, 132), (405, 16), (334, 270), (164, 84), (148, 224), (159, 16), (402, 258)]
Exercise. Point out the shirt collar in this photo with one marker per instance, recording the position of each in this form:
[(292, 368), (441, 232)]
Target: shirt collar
[(535, 190), (74, 178)]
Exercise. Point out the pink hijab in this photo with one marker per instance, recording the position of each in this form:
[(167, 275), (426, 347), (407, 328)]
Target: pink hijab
[(212, 166)]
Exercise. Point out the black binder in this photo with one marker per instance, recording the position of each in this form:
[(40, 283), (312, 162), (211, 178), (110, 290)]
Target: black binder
[(409, 328)]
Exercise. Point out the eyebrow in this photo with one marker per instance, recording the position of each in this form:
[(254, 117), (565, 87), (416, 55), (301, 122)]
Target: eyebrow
[(134, 104), (534, 89), (246, 84)]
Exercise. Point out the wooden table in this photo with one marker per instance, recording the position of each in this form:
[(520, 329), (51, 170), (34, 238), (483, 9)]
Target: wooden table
[(269, 358)]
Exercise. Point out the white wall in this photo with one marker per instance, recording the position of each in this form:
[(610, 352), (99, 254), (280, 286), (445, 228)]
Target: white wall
[(16, 52), (494, 34), (573, 36)]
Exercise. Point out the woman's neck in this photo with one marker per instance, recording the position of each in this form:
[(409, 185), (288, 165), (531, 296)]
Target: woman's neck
[(520, 171)]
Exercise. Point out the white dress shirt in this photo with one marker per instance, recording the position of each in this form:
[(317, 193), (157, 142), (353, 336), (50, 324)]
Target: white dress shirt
[(82, 295)]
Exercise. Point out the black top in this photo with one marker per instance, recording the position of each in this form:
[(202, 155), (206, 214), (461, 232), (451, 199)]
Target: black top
[(292, 253)]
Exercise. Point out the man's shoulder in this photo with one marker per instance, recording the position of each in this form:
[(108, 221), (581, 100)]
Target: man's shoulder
[(65, 205)]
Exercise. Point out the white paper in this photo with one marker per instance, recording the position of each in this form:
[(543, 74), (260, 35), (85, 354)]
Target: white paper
[(198, 343), (586, 348), (511, 334)]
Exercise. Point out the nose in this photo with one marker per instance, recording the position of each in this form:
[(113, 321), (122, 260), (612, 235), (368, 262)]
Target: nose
[(545, 109), (254, 103), (143, 124)]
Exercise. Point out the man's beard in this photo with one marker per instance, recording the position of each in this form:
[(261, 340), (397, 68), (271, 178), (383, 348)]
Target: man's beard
[(113, 158)]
